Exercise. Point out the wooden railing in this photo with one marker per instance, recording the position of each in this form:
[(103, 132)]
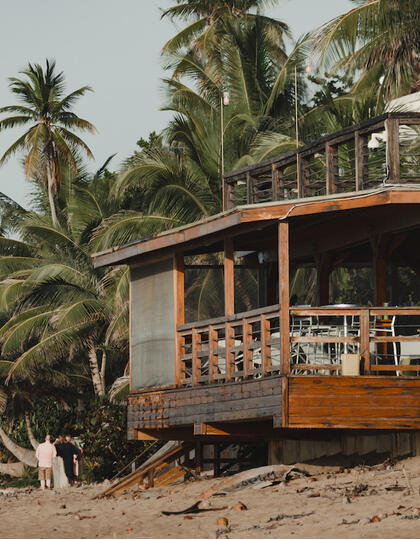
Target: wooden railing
[(247, 345), (238, 347), (383, 149)]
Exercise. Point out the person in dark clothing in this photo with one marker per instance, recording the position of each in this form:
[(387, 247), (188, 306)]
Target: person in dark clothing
[(69, 452)]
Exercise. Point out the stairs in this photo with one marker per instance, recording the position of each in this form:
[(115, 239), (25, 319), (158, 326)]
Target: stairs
[(157, 470)]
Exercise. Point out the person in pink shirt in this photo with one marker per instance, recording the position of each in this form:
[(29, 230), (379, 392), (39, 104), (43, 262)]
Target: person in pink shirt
[(44, 454)]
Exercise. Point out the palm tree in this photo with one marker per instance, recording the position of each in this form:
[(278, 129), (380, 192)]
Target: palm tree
[(50, 140), (61, 313), (378, 40), (208, 20)]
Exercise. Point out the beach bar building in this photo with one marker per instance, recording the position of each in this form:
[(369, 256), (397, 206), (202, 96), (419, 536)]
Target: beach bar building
[(311, 275)]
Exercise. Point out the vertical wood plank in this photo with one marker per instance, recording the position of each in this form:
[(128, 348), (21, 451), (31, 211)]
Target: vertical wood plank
[(179, 303), (361, 161), (249, 189), (323, 269), (229, 277), (265, 348), (212, 353), (364, 340), (331, 166), (379, 269), (300, 176), (227, 195), (275, 187), (283, 247), (246, 340), (229, 355), (196, 361), (129, 333), (285, 401), (393, 149)]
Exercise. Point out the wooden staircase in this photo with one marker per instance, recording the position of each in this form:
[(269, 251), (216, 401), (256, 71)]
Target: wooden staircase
[(157, 470)]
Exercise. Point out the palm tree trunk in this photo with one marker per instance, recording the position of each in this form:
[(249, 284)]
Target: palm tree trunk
[(12, 469), (97, 380), (51, 195), (31, 436), (22, 454)]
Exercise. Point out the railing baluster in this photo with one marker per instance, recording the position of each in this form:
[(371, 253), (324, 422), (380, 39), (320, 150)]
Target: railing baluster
[(212, 353), (265, 349), (196, 371), (246, 340), (229, 355), (249, 189)]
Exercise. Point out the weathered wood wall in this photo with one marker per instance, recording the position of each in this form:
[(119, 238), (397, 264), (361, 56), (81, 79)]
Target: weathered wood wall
[(354, 402), (240, 401)]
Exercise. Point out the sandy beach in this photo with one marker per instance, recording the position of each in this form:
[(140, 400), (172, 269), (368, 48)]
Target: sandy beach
[(381, 501)]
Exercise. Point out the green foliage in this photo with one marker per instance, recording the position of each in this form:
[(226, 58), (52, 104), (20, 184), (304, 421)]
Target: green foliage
[(104, 434)]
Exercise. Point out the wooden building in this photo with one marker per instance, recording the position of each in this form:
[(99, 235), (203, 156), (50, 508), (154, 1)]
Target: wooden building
[(279, 369)]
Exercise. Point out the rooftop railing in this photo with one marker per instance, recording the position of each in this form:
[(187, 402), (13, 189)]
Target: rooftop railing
[(382, 150)]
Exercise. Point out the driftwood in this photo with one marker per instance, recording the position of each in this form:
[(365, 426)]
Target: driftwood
[(244, 479)]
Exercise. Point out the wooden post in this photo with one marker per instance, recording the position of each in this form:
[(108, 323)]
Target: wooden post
[(364, 340), (227, 195), (330, 164), (229, 277), (179, 302), (300, 175), (275, 183), (379, 270), (283, 247), (361, 162), (323, 269), (392, 149), (229, 304), (249, 189)]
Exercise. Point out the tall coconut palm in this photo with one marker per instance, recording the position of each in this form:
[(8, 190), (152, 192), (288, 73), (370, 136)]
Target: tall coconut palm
[(378, 40), (207, 23), (60, 310), (50, 139)]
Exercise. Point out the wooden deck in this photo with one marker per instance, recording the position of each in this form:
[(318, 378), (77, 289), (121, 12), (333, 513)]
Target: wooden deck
[(268, 408), (339, 162)]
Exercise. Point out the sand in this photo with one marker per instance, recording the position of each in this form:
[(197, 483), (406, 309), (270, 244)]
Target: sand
[(325, 505)]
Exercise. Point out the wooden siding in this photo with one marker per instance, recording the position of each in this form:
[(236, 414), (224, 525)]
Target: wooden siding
[(354, 402), (162, 409)]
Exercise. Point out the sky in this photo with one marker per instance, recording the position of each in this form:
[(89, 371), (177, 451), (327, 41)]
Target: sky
[(113, 46)]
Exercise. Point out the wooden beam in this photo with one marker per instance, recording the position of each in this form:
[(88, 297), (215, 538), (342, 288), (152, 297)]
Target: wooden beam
[(229, 277), (283, 250), (208, 429)]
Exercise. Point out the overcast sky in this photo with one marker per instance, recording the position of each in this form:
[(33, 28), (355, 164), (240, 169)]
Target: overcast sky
[(114, 46)]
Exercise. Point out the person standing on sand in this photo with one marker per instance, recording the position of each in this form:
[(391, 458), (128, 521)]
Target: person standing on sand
[(68, 451), (45, 453)]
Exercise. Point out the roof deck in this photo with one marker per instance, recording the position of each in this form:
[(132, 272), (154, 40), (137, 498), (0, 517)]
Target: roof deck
[(383, 150)]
